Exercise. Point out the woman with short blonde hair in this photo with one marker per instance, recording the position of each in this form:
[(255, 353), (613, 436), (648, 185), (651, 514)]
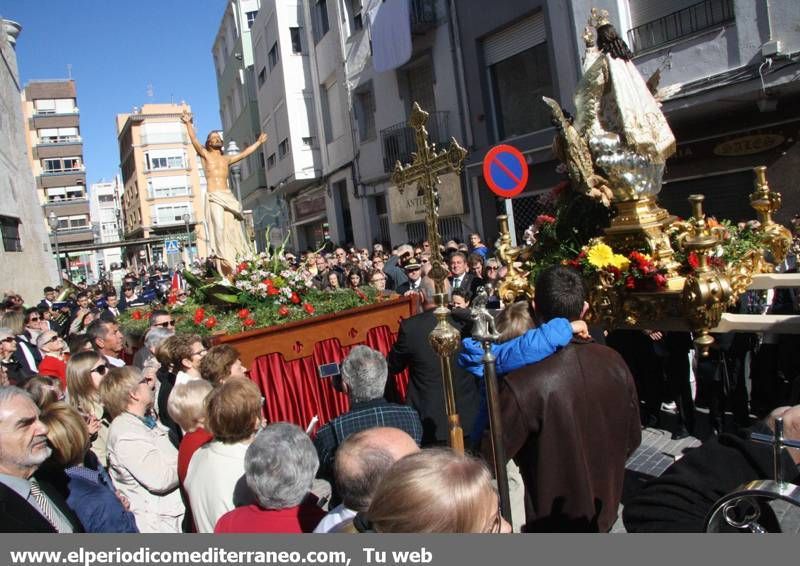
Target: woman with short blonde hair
[(436, 491), (90, 492), (142, 460), (186, 405), (85, 373)]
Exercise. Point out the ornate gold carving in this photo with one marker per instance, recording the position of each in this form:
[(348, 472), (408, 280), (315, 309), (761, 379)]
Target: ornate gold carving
[(515, 283), (766, 203)]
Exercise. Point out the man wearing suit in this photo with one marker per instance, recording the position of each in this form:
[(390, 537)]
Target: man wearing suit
[(460, 278), (413, 271), (49, 297), (112, 310), (27, 505), (425, 391)]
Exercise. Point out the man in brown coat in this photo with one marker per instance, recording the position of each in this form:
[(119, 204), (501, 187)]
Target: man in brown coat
[(570, 421)]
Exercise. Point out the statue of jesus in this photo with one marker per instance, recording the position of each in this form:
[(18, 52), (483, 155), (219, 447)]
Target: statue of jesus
[(226, 234)]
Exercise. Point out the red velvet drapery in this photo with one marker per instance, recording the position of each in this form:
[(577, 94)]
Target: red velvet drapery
[(294, 392)]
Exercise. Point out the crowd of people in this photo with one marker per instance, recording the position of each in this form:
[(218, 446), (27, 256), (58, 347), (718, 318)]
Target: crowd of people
[(97, 435)]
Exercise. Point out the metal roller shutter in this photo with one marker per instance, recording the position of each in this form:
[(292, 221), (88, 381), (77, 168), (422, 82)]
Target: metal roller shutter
[(515, 39)]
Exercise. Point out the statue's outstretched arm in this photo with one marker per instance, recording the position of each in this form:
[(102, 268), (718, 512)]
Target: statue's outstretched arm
[(198, 147), (252, 148)]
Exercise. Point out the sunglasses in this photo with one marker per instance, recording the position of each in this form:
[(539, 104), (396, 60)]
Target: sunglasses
[(100, 370), (491, 268), (167, 324), (54, 339), (34, 319)]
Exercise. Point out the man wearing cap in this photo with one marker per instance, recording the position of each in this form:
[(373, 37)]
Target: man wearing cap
[(414, 274)]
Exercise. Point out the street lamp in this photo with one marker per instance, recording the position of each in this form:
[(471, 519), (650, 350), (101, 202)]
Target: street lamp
[(186, 218), (52, 221)]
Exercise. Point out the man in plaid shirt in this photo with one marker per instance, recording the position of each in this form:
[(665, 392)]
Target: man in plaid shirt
[(363, 378)]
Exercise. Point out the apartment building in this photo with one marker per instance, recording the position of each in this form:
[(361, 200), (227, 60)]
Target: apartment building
[(163, 185), (295, 200), (26, 258), (236, 84), (728, 65), (55, 151), (105, 212)]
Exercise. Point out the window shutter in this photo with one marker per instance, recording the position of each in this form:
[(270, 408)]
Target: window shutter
[(515, 39)]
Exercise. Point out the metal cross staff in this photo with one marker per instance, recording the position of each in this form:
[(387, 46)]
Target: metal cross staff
[(426, 166)]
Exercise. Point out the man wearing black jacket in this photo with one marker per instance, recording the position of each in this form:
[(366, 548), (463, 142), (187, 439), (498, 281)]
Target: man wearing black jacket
[(425, 390), (681, 498)]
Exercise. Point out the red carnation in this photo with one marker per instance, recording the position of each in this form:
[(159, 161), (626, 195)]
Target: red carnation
[(211, 322), (267, 282), (137, 315), (694, 262), (295, 298), (272, 290), (283, 311), (244, 313), (199, 315), (309, 308), (248, 322), (241, 267), (614, 271), (630, 282), (660, 280)]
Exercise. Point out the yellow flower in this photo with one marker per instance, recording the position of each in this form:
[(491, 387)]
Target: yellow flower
[(620, 262), (600, 255)]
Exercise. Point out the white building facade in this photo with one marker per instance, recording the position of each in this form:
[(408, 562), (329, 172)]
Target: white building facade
[(105, 211)]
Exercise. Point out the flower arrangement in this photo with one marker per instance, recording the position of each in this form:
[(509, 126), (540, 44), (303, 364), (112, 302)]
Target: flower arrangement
[(636, 271), (270, 278), (736, 241)]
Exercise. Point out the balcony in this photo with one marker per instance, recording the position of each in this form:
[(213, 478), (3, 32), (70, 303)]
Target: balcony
[(170, 220), (689, 21), (166, 138), (46, 150), (399, 143), (59, 140), (69, 171), (53, 120), (424, 16), (61, 179)]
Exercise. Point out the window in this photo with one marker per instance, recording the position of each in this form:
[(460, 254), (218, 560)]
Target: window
[(251, 18), (163, 132), (157, 159), (327, 125), (171, 186), (105, 198), (61, 165), (365, 113), (518, 65), (261, 161), (271, 161), (308, 141), (356, 11), (10, 230), (170, 213), (273, 56), (58, 135), (55, 106), (320, 17), (297, 45), (262, 77), (657, 23), (283, 148)]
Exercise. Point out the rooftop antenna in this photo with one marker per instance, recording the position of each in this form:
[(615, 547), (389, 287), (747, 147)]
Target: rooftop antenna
[(69, 71)]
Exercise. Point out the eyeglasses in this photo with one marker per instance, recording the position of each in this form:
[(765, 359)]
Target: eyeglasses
[(202, 352), (100, 370), (166, 324), (491, 268)]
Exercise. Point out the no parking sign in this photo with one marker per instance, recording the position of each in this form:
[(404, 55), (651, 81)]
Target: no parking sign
[(505, 171)]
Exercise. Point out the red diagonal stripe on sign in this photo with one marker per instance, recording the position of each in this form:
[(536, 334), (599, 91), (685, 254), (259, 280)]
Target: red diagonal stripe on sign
[(496, 161)]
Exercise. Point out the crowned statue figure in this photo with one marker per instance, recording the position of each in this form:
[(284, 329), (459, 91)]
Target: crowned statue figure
[(223, 212), (618, 126)]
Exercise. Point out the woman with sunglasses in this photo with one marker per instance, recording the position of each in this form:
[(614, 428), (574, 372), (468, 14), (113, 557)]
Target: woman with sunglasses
[(33, 325), (52, 346), (85, 373), (16, 371), (27, 355)]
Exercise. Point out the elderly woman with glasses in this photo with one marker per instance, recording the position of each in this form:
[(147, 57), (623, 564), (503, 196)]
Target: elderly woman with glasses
[(85, 373), (52, 347), (142, 461)]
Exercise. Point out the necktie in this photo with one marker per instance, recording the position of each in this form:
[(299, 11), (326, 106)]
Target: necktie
[(457, 282), (46, 507)]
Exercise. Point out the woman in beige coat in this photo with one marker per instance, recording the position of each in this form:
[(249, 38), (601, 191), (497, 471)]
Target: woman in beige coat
[(142, 461)]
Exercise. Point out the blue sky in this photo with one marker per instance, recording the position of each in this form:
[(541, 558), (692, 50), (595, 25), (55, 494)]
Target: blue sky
[(117, 48)]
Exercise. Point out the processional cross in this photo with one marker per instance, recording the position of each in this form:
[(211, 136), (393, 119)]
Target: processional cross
[(425, 168)]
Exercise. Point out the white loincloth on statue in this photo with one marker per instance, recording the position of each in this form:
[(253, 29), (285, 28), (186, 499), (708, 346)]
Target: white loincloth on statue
[(232, 241)]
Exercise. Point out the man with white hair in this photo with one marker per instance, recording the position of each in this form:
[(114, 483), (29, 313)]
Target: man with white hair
[(363, 379), (27, 505)]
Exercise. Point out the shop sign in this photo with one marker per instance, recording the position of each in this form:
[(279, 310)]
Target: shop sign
[(748, 145), (409, 204)]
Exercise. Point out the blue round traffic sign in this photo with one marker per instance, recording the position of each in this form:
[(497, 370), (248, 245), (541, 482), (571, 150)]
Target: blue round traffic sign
[(505, 171)]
